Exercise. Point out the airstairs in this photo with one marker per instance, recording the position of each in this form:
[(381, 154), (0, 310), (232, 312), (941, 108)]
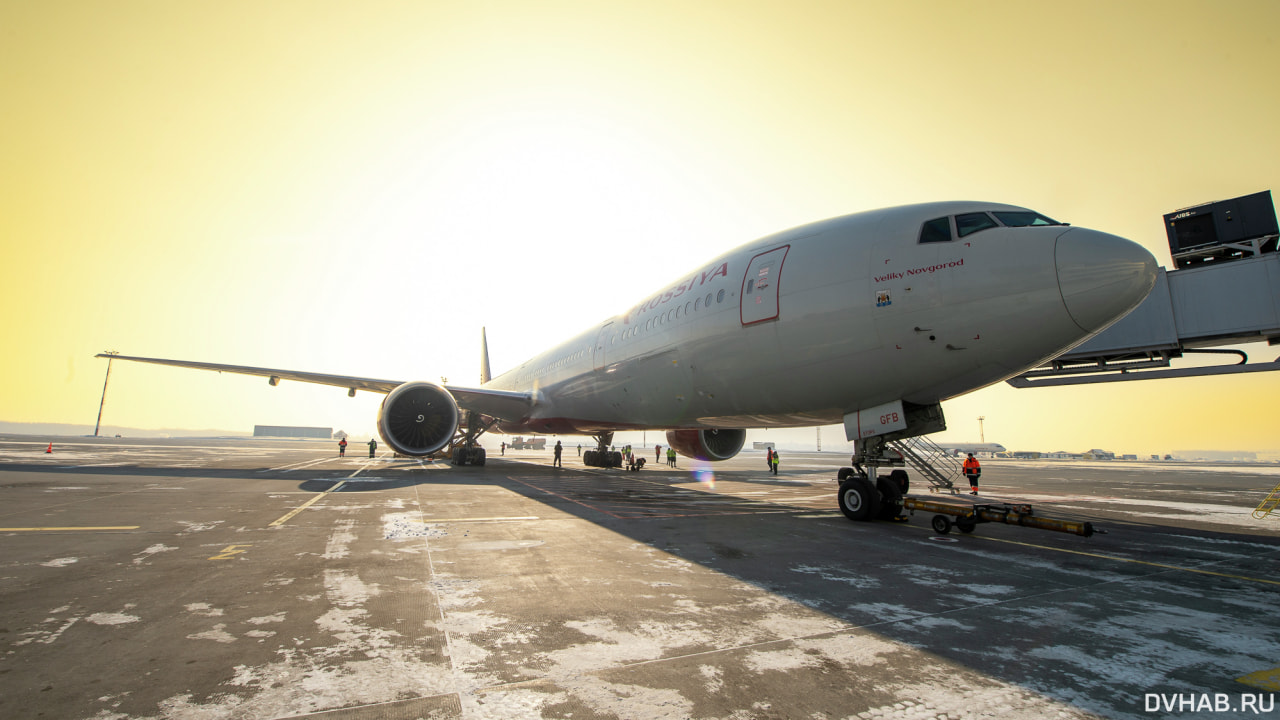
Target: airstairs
[(1268, 505), (933, 463)]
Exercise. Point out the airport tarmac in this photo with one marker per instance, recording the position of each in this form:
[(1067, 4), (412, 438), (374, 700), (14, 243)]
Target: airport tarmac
[(271, 579)]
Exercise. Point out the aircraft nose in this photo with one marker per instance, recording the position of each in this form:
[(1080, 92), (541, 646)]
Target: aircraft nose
[(1102, 277)]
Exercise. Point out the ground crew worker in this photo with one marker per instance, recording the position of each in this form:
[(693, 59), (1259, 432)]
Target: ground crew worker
[(774, 462), (972, 470), (657, 453), (556, 461), (373, 446), (342, 447), (768, 457), (671, 456), (504, 448), (579, 449)]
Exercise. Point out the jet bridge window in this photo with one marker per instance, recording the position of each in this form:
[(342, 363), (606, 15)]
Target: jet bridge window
[(938, 230), (970, 223), (1023, 218)]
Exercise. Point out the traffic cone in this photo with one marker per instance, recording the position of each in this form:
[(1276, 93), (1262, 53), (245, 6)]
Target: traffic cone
[(49, 449)]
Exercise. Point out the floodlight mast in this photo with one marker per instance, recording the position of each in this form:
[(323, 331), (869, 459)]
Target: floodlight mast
[(104, 391)]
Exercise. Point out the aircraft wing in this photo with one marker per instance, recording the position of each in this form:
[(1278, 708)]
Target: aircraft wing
[(503, 404)]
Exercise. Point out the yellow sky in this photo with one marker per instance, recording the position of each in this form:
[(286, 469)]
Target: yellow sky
[(359, 187)]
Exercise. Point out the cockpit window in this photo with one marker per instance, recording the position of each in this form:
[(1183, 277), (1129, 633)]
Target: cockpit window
[(938, 230), (970, 223), (1024, 218)]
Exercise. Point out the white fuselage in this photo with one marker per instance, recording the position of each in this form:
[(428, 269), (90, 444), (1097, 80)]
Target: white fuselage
[(806, 326)]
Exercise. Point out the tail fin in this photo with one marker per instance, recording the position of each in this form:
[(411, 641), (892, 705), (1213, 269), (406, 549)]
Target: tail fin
[(484, 357)]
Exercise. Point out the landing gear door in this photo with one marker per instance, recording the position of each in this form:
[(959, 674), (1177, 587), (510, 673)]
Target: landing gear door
[(760, 286), (601, 341)]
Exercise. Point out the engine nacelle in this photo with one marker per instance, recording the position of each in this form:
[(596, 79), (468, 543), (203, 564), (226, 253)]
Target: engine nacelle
[(418, 418), (712, 445)]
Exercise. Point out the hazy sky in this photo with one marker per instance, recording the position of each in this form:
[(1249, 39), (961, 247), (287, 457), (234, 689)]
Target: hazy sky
[(357, 188)]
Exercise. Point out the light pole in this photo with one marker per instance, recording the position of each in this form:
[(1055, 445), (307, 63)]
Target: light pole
[(982, 438), (104, 391)]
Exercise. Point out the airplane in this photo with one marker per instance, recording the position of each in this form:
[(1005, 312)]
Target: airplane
[(978, 447), (871, 320)]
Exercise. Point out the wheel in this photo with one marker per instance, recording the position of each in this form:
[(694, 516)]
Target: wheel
[(890, 498), (479, 457), (845, 473), (589, 458), (616, 458), (966, 523), (858, 501), (941, 524), (900, 477)]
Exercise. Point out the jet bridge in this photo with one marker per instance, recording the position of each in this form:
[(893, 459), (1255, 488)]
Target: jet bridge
[(1224, 291)]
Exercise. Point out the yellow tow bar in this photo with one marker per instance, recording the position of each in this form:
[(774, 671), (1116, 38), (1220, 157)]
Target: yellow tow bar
[(969, 516)]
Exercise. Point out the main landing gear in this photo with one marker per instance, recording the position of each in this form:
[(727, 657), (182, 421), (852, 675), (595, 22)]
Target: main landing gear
[(602, 457), (464, 450)]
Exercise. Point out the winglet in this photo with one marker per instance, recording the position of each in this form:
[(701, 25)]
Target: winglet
[(484, 357)]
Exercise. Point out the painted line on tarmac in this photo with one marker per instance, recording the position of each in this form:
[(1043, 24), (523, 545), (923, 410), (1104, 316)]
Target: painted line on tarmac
[(316, 499), (443, 521), (297, 466), (1136, 562), (70, 529)]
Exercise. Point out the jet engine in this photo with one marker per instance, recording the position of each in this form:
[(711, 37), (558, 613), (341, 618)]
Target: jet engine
[(418, 418), (707, 444)]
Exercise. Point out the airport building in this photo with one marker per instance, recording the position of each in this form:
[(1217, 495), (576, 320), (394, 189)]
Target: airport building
[(323, 433)]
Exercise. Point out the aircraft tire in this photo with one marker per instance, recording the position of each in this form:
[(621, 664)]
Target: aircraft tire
[(941, 524), (845, 473), (616, 458), (589, 458), (890, 498), (479, 457), (900, 477), (858, 500)]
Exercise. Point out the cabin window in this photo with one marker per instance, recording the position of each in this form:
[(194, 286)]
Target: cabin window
[(1024, 218), (720, 296), (938, 230), (688, 307), (697, 305), (970, 223)]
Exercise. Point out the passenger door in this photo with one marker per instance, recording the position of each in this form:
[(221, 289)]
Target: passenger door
[(601, 340), (760, 286)]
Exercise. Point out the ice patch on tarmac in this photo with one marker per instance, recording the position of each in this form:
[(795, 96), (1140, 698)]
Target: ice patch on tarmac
[(195, 527), (204, 609), (61, 562), (154, 549), (263, 620), (849, 650), (217, 634), (112, 619), (339, 540), (407, 525), (862, 582)]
